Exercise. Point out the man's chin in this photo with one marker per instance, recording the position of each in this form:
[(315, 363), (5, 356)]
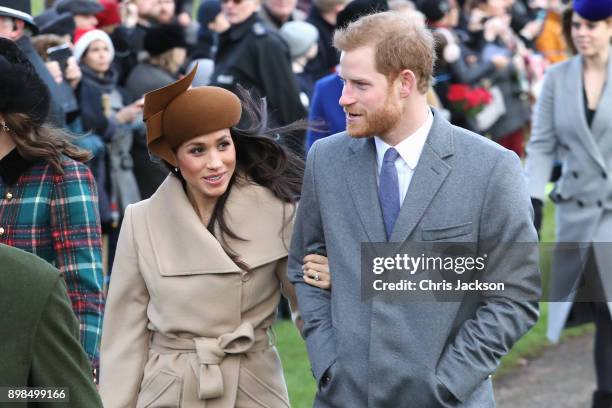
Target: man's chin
[(357, 133)]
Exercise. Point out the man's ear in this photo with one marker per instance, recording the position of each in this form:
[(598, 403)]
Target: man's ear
[(18, 27), (407, 83)]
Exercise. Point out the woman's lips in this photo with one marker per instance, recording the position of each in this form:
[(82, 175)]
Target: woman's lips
[(214, 179)]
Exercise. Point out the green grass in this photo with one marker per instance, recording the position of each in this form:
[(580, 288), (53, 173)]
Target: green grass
[(37, 7), (297, 369), (299, 378)]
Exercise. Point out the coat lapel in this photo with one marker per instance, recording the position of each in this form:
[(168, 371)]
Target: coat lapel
[(361, 177), (602, 115), (183, 246), (575, 84), (430, 173)]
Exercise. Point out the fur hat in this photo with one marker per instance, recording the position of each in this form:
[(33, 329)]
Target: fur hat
[(300, 36), (21, 89), (593, 10), (175, 114), (83, 41), (20, 10), (160, 39)]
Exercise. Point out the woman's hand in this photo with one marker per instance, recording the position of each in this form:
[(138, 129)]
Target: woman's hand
[(316, 271), (73, 73), (129, 113)]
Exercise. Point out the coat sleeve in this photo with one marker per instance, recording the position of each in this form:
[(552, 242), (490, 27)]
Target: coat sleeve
[(75, 228), (125, 342), (288, 291), (314, 303), (508, 238), (542, 146), (58, 360)]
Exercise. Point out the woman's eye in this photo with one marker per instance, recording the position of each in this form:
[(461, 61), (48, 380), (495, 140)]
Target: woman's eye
[(196, 150), (223, 145)]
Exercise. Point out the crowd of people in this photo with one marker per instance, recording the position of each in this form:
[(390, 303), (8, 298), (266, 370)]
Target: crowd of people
[(157, 152)]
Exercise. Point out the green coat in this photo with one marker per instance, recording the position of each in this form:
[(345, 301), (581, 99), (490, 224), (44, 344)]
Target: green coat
[(39, 333)]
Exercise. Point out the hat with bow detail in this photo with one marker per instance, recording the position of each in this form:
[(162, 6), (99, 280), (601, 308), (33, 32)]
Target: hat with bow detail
[(175, 114)]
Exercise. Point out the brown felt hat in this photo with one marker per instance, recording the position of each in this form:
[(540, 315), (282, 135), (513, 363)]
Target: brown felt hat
[(175, 114)]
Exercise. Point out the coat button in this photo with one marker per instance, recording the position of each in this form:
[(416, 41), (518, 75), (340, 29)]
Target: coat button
[(580, 203), (599, 203), (604, 175), (246, 277), (1, 231), (575, 174), (9, 196), (325, 380)]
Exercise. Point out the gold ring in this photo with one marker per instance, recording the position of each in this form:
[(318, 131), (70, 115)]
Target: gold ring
[(317, 276)]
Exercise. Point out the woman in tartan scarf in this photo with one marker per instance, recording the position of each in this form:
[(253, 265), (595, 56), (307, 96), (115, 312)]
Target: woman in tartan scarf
[(48, 198)]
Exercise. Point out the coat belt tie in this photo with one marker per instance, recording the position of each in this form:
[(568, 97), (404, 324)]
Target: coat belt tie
[(211, 352)]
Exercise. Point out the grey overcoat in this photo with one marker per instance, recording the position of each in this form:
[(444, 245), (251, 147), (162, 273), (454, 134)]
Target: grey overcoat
[(583, 194), (465, 188)]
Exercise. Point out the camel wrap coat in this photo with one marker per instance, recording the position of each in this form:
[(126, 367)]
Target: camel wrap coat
[(184, 325)]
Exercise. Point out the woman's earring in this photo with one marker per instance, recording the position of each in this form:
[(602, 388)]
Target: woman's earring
[(4, 127), (176, 170)]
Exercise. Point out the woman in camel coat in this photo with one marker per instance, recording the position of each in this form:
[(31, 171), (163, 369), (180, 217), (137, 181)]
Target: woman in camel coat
[(201, 264)]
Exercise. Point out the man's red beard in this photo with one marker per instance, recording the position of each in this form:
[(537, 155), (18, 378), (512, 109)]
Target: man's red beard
[(375, 123)]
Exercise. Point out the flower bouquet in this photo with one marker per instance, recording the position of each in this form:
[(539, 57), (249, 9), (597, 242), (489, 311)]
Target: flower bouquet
[(467, 100)]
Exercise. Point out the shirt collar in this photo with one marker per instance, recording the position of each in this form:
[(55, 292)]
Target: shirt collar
[(411, 147), (12, 166)]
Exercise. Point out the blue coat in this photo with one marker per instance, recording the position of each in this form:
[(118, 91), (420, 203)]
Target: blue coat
[(325, 109)]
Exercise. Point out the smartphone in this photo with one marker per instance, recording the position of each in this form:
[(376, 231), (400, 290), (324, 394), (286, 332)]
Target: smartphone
[(60, 53)]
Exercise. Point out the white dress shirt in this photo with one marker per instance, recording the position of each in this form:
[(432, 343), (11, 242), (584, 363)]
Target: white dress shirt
[(409, 150)]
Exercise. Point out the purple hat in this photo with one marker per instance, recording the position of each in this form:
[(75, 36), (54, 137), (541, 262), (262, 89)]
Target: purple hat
[(593, 10)]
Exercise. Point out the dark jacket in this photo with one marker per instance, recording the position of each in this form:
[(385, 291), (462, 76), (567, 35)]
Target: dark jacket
[(328, 57), (145, 78), (252, 55), (40, 334)]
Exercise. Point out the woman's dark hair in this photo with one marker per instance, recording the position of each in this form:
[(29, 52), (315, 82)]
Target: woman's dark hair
[(566, 24), (260, 159), (34, 142)]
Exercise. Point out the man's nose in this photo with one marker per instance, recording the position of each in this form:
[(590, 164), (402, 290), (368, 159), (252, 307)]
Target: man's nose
[(347, 97)]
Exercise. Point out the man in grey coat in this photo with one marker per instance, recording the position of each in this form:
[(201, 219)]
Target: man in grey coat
[(403, 174)]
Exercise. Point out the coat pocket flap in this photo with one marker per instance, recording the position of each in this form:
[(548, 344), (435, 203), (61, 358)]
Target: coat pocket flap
[(436, 233)]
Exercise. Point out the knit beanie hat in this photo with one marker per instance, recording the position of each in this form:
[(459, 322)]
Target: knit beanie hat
[(300, 36)]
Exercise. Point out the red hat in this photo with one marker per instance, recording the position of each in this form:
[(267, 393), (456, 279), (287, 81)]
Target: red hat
[(79, 32), (110, 15)]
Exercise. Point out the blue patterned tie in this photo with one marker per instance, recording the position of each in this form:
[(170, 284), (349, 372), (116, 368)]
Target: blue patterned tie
[(388, 190)]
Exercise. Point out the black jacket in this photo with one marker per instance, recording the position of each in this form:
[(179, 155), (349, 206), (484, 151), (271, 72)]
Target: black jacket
[(252, 55), (328, 57)]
